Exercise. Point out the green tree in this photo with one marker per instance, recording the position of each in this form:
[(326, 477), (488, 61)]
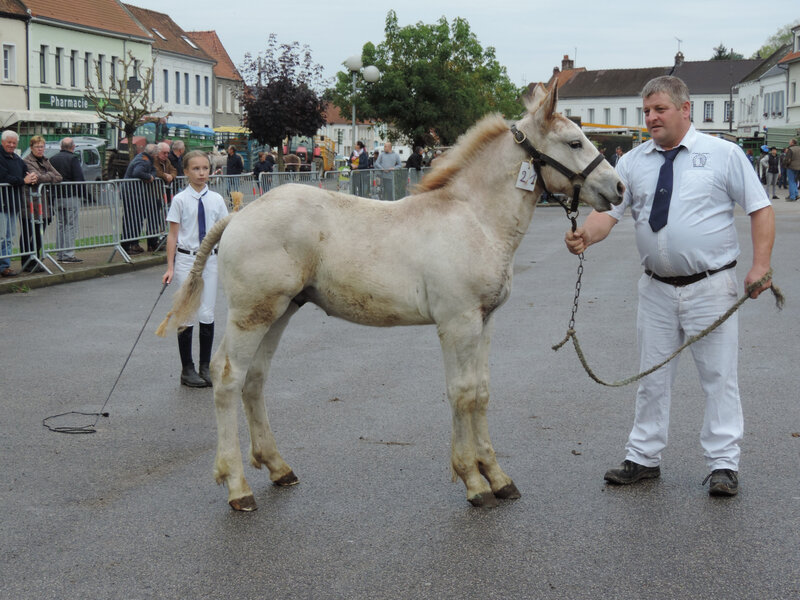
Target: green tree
[(776, 40), (722, 53), (281, 97), (436, 81)]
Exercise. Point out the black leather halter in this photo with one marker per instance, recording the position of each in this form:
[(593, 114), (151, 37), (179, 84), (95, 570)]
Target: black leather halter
[(539, 160)]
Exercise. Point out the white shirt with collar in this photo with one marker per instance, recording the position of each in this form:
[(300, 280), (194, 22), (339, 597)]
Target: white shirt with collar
[(183, 211), (710, 176)]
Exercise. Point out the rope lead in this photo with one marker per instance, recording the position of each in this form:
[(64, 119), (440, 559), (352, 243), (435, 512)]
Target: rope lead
[(779, 302)]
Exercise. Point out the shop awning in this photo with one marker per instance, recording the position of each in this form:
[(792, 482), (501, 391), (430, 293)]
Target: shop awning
[(9, 117)]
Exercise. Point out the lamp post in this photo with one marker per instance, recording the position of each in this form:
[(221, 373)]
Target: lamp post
[(370, 73)]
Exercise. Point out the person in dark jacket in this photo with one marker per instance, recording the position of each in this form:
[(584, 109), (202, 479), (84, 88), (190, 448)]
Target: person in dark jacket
[(14, 172), (361, 178), (134, 200), (415, 160), (235, 167), (265, 164), (175, 156), (67, 203)]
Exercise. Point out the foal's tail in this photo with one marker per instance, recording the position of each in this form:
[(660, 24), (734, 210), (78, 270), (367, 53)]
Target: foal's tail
[(188, 298)]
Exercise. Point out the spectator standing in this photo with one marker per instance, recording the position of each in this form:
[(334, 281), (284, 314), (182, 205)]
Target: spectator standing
[(192, 213), (235, 167), (415, 160), (137, 197), (686, 236), (362, 175), (35, 218), (772, 168), (68, 202), (175, 156), (265, 164), (14, 172), (617, 155), (792, 168), (388, 162)]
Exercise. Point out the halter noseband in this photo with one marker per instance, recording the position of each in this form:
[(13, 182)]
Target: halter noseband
[(539, 160)]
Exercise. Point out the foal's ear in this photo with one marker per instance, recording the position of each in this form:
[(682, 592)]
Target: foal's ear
[(540, 98)]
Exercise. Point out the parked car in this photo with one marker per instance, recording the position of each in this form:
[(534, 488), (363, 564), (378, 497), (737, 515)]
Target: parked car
[(90, 151)]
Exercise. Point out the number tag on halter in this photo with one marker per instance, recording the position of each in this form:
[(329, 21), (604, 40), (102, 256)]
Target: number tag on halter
[(526, 180)]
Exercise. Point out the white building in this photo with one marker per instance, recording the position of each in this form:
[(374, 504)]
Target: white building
[(762, 97), (183, 73), (14, 84), (66, 42)]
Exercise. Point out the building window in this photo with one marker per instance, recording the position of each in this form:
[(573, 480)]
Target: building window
[(205, 82), (43, 64), (186, 89), (166, 86), (87, 68), (794, 92), (177, 87), (607, 116), (59, 56), (567, 112), (101, 58), (708, 111), (219, 98), (9, 63), (73, 68), (728, 110), (159, 34), (112, 73), (639, 116), (591, 115), (197, 89), (623, 116)]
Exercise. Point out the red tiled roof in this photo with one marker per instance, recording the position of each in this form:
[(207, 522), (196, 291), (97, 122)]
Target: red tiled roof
[(791, 57), (334, 116), (12, 7), (105, 15), (209, 41), (170, 30)]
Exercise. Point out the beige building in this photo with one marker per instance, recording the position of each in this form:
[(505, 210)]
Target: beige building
[(14, 84)]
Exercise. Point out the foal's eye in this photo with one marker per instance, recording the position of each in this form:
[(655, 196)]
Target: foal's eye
[(575, 144)]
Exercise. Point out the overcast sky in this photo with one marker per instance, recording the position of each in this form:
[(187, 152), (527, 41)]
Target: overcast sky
[(530, 37)]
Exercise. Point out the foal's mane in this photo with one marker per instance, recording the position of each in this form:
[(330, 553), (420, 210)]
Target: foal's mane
[(463, 153)]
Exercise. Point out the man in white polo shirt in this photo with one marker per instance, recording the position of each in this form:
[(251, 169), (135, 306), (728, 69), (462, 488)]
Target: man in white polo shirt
[(682, 187)]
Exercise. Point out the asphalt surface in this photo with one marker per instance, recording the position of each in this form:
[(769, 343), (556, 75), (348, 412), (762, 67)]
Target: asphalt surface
[(360, 414)]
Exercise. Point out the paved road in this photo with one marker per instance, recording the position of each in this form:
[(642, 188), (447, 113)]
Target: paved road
[(360, 414)]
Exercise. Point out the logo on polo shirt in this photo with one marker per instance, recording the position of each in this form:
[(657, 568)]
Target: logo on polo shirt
[(699, 159)]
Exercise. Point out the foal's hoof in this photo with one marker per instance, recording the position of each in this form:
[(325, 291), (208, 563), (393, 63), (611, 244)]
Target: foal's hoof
[(245, 504), (289, 479), (484, 500), (508, 492)]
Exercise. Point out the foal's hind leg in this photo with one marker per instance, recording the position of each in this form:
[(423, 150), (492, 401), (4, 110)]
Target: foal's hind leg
[(228, 370), (263, 449)]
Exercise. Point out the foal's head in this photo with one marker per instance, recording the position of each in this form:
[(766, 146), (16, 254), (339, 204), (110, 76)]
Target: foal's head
[(561, 142)]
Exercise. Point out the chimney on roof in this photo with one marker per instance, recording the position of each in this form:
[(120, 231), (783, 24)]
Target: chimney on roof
[(566, 63), (679, 58), (556, 71)]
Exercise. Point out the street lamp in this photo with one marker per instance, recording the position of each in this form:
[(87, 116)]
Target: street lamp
[(370, 73)]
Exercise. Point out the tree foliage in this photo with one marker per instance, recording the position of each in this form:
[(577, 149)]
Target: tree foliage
[(123, 101), (436, 81), (280, 98), (781, 37), (722, 53)]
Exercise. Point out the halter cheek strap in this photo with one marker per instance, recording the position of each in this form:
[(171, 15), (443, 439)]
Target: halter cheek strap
[(539, 160)]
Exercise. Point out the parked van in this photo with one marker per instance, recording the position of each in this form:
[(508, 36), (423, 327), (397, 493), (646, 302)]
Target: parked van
[(90, 151)]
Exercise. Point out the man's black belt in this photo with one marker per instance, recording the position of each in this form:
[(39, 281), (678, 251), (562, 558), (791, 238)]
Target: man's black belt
[(190, 253), (681, 280)]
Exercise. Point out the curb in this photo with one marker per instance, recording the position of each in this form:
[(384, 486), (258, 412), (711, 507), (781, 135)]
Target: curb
[(22, 284)]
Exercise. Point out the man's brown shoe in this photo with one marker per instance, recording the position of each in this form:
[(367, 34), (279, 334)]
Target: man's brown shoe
[(631, 472), (8, 272)]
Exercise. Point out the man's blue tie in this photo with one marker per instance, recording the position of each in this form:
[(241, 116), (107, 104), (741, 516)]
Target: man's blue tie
[(201, 217), (660, 209)]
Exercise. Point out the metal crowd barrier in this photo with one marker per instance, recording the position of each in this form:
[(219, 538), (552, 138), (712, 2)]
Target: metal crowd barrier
[(13, 213), (78, 216), (143, 213), (374, 183)]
